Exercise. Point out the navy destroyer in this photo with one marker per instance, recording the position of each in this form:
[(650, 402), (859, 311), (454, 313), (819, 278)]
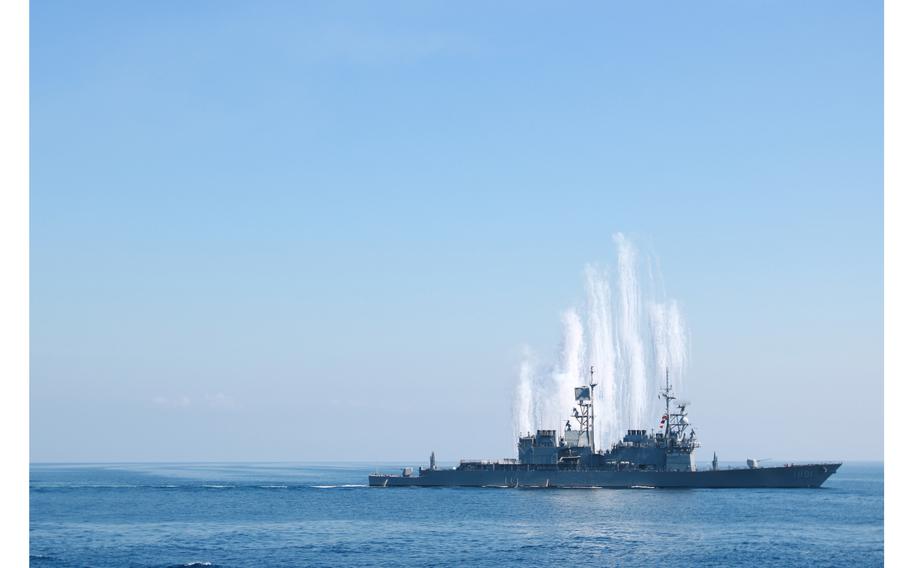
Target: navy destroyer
[(641, 459)]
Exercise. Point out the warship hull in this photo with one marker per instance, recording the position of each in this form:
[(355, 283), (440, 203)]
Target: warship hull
[(522, 476)]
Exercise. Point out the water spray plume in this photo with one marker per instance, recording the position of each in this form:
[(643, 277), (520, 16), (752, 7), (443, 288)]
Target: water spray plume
[(630, 337)]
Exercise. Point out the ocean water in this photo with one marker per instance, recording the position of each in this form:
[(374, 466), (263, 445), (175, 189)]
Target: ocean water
[(167, 515)]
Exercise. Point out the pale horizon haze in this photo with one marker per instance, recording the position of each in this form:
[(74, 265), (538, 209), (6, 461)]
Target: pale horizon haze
[(332, 231)]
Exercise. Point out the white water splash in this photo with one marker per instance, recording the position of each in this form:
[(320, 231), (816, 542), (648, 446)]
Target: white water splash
[(631, 349), (669, 336), (602, 352), (628, 336), (524, 408), (569, 374)]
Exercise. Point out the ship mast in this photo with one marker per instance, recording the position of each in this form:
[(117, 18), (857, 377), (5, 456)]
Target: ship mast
[(591, 423), (668, 397)]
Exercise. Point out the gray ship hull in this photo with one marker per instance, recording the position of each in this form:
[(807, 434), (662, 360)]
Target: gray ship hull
[(522, 476)]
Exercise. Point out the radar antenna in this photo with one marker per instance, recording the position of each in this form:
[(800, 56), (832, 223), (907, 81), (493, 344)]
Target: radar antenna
[(584, 399)]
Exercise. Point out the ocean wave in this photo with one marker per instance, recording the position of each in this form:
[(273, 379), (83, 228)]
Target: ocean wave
[(190, 486), (83, 486)]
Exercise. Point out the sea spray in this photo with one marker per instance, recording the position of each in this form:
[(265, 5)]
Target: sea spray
[(525, 411), (602, 349), (669, 339), (631, 347), (569, 374), (628, 335)]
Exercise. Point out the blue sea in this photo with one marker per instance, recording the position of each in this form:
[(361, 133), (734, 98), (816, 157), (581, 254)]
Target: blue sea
[(168, 515)]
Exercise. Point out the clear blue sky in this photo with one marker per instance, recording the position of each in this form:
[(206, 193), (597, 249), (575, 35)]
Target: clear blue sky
[(322, 231)]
